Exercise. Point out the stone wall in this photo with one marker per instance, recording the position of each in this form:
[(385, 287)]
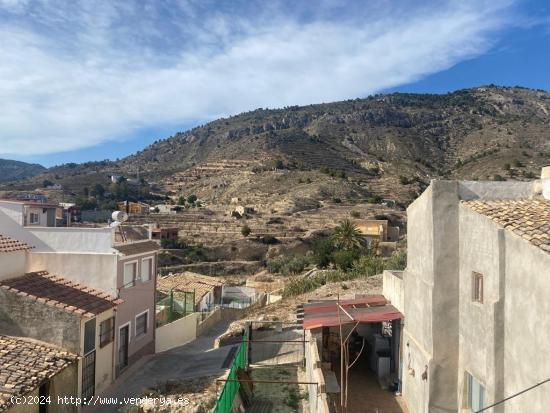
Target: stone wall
[(26, 317)]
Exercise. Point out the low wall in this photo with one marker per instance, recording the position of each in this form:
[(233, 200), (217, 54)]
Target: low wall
[(209, 322), (393, 289), (177, 333), (318, 399)]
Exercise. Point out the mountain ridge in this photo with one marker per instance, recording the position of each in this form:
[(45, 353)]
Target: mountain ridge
[(403, 139)]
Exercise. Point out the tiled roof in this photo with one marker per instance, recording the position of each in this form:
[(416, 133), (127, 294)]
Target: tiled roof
[(61, 293), (8, 244), (189, 282), (530, 219), (25, 363), (135, 248)]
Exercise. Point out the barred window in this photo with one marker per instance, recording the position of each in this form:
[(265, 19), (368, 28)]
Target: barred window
[(106, 332), (141, 324)]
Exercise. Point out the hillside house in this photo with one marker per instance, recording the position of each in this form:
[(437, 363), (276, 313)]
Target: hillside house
[(91, 257), (379, 230), (133, 207), (475, 297), (165, 233), (36, 370)]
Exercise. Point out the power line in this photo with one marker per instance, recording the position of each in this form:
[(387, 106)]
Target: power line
[(514, 395)]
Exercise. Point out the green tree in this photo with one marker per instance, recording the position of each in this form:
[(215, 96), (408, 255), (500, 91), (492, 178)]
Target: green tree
[(46, 183), (181, 200), (347, 236), (191, 199), (245, 230), (98, 191)]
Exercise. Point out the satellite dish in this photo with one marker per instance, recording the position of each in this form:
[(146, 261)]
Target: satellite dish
[(118, 218)]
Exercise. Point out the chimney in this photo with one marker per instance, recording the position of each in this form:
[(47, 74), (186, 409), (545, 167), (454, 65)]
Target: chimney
[(545, 179)]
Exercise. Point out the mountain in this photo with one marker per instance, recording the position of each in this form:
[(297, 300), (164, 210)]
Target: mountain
[(386, 146), (16, 170)]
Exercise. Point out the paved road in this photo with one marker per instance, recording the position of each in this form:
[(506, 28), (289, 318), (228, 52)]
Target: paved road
[(198, 358)]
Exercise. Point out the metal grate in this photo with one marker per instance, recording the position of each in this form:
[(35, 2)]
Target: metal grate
[(88, 376)]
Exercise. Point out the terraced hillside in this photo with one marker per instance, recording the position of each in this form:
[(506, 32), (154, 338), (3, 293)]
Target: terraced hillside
[(386, 146)]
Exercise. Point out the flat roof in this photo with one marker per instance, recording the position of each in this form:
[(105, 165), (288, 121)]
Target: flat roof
[(368, 309)]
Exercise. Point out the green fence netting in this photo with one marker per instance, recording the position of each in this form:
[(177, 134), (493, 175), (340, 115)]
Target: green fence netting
[(230, 388)]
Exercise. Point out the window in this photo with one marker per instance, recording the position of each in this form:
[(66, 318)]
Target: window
[(142, 321), (106, 331), (477, 287), (146, 269), (34, 218), (476, 394), (89, 336), (130, 273)]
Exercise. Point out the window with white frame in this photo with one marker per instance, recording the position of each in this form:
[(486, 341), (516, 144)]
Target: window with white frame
[(34, 218), (476, 394), (142, 321), (146, 269), (130, 274), (477, 287)]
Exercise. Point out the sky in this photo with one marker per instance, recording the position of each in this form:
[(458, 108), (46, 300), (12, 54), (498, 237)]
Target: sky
[(92, 80)]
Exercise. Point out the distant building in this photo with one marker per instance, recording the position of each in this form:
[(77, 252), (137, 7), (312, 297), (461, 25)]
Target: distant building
[(30, 213), (378, 229), (165, 233), (133, 207), (33, 369), (475, 296)]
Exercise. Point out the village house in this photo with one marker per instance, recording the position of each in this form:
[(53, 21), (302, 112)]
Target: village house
[(37, 370), (378, 230), (69, 315), (31, 213), (133, 207), (90, 257), (165, 233), (204, 291), (475, 297)]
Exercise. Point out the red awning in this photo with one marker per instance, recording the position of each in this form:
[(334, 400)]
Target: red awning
[(330, 305), (371, 309)]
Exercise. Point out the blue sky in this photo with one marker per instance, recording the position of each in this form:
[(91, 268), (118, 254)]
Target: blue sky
[(91, 80)]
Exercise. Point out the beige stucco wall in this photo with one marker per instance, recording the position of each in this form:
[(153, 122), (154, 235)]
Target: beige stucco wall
[(392, 288), (481, 324), (176, 333), (527, 325), (12, 264), (430, 335), (93, 270), (104, 370)]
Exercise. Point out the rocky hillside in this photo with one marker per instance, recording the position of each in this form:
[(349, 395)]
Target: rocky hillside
[(385, 145), (15, 170)]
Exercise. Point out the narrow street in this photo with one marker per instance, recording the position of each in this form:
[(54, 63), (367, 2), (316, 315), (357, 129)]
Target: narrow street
[(196, 359)]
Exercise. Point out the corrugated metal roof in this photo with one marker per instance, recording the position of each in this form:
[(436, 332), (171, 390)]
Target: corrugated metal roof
[(369, 309)]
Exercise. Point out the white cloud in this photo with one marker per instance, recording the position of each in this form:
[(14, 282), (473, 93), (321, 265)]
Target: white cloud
[(86, 73)]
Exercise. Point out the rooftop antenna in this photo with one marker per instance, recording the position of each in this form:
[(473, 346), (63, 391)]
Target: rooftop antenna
[(118, 218)]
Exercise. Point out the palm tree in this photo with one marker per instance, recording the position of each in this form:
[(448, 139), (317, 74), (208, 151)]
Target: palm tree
[(347, 236)]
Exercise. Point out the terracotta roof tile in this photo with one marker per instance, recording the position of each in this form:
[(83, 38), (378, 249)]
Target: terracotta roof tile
[(56, 291), (135, 248), (530, 219), (189, 282), (25, 363), (8, 244)]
